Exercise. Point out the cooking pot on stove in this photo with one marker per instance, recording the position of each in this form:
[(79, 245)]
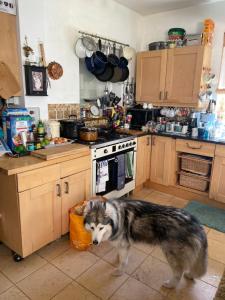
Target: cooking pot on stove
[(69, 128), (88, 134)]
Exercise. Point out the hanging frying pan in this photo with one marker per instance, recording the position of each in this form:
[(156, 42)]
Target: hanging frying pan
[(125, 74), (118, 72), (107, 73)]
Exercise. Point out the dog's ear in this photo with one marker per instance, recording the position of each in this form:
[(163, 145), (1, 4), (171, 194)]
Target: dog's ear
[(104, 204), (88, 207)]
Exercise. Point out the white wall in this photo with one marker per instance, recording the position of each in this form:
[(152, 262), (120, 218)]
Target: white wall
[(55, 22), (155, 27)]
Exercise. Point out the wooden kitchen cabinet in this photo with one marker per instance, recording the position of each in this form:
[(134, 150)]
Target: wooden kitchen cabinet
[(151, 75), (9, 51), (75, 188), (163, 166), (40, 216), (172, 77), (143, 160), (217, 186)]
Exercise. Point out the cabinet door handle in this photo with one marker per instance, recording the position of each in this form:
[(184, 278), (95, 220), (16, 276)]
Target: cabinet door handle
[(58, 189), (166, 95), (148, 140), (160, 95), (153, 141), (192, 147), (67, 187)]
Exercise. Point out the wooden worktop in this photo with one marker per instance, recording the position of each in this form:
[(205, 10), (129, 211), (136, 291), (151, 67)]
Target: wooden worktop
[(10, 166)]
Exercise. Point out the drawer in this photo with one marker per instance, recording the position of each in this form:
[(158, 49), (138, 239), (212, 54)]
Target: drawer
[(220, 150), (31, 179), (195, 147), (74, 166)]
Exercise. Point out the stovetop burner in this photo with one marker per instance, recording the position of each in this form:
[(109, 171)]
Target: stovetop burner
[(106, 139)]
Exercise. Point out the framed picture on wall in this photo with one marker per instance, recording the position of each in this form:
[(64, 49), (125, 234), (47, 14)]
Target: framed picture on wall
[(35, 79)]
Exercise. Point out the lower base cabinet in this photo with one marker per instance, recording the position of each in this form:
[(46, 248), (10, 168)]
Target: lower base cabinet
[(75, 188), (143, 160), (217, 187), (163, 160), (40, 216), (44, 210)]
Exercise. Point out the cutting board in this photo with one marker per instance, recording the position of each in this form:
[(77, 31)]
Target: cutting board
[(61, 151)]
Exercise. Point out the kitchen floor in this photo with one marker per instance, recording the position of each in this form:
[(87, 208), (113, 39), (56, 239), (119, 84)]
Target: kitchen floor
[(60, 272)]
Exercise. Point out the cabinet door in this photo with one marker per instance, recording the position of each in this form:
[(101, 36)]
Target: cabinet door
[(163, 166), (150, 76), (143, 160), (9, 52), (40, 216), (76, 188), (217, 187), (183, 78)]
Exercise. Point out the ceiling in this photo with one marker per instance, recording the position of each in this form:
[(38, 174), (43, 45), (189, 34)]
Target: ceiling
[(147, 7)]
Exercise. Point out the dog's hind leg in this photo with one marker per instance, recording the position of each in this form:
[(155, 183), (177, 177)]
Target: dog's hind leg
[(123, 250), (199, 267), (177, 269)]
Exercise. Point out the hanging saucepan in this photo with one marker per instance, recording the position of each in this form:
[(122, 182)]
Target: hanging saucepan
[(112, 58), (118, 70), (97, 62), (108, 71)]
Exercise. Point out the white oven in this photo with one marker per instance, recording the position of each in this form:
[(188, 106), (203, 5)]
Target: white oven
[(115, 165)]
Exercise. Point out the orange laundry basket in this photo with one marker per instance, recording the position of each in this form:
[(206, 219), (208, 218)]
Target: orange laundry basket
[(80, 238)]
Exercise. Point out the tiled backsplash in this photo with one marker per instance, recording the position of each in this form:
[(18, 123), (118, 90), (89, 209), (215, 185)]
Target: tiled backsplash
[(63, 111)]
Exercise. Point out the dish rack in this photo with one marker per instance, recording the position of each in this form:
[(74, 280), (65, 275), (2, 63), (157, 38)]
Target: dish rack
[(195, 171)]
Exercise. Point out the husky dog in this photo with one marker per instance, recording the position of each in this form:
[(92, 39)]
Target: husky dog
[(179, 234)]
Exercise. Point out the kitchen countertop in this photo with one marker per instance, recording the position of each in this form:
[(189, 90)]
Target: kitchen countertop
[(11, 165), (139, 133)]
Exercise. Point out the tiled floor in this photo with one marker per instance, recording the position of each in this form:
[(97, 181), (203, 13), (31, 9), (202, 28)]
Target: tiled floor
[(61, 273)]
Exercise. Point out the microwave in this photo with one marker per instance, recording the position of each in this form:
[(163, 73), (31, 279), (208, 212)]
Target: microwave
[(141, 116)]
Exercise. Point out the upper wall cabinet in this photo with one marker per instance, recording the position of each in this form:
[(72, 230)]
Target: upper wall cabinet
[(172, 77), (151, 75), (9, 53)]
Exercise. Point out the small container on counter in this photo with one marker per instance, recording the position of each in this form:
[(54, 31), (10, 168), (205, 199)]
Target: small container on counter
[(54, 127), (30, 147)]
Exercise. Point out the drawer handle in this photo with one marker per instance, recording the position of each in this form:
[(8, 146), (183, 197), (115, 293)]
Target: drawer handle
[(58, 190), (160, 95), (192, 147), (153, 141), (67, 187)]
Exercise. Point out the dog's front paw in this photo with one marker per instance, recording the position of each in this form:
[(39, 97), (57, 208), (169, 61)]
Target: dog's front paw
[(169, 284), (118, 272)]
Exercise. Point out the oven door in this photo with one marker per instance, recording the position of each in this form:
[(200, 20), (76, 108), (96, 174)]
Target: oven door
[(112, 183)]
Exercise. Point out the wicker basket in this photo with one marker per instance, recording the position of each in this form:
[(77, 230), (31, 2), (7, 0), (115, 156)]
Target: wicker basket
[(196, 164), (193, 181)]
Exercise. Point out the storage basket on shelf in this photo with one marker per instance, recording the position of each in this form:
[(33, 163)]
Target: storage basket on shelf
[(193, 181), (196, 164)]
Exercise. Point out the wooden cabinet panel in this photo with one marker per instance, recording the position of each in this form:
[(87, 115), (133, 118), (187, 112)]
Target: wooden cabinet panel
[(143, 160), (9, 53), (40, 216), (75, 188), (184, 69), (217, 187), (150, 77), (195, 147), (31, 179), (76, 165), (163, 166)]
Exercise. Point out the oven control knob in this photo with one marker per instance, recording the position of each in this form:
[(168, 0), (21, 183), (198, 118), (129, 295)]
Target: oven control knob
[(127, 144), (134, 143), (123, 145), (119, 147), (130, 144), (105, 151)]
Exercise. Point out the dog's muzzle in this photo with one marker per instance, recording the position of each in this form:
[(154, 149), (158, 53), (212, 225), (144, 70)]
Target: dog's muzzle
[(95, 242)]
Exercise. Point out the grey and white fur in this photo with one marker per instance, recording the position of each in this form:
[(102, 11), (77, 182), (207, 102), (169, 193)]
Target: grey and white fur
[(178, 233)]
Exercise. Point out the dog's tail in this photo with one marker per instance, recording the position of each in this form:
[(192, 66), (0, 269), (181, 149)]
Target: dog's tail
[(199, 266)]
